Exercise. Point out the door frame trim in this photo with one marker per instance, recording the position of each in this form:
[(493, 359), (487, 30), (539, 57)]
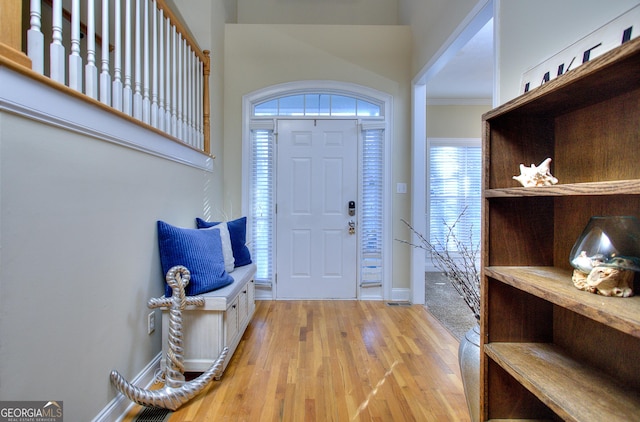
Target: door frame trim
[(335, 87)]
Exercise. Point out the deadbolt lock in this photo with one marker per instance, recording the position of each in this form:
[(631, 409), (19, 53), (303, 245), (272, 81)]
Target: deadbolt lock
[(352, 208)]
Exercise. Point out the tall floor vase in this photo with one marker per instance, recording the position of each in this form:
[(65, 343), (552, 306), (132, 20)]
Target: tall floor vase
[(469, 360)]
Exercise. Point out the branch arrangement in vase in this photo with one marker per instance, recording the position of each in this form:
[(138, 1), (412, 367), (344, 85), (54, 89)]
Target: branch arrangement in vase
[(459, 266)]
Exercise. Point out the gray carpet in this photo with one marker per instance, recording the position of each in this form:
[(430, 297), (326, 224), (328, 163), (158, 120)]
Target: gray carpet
[(446, 305)]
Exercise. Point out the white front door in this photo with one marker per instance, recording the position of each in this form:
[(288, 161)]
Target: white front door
[(317, 177)]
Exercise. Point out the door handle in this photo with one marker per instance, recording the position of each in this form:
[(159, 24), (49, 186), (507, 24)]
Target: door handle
[(352, 227)]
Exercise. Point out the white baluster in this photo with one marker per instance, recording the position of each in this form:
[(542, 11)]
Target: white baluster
[(196, 92), (75, 60), (117, 57), (90, 69), (56, 50), (192, 88), (127, 92), (189, 96), (201, 100), (146, 106), (174, 82), (196, 102), (137, 81), (105, 77), (161, 76), (168, 77), (199, 104), (194, 98), (179, 81), (35, 37), (154, 67), (187, 89)]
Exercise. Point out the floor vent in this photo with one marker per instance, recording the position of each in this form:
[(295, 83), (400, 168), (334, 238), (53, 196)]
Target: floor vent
[(398, 303), (153, 414)]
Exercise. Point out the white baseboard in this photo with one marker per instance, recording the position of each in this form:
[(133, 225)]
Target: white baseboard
[(120, 405), (401, 295)]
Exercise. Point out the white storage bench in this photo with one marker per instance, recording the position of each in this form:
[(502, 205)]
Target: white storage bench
[(220, 323)]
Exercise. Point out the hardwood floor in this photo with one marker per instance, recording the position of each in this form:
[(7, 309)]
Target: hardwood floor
[(336, 361)]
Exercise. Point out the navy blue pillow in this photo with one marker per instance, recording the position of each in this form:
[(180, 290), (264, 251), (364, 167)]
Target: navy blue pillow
[(198, 250), (238, 234)]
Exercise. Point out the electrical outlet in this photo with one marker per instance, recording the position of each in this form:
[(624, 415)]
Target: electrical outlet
[(151, 322)]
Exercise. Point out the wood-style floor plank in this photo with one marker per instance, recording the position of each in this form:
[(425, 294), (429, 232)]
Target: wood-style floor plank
[(336, 361)]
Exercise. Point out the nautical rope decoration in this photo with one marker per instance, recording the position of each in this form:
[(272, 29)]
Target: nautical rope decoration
[(176, 391)]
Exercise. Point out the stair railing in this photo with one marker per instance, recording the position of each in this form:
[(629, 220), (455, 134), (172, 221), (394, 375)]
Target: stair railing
[(134, 56)]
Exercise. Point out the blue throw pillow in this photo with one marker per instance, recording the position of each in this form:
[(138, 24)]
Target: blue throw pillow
[(238, 233), (198, 250)]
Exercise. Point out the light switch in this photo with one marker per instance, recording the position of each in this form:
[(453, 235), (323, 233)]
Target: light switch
[(401, 188)]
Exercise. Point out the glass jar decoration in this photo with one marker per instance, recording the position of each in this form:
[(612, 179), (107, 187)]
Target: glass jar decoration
[(607, 255)]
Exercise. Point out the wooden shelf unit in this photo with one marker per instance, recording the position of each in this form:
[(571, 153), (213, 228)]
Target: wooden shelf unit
[(548, 350)]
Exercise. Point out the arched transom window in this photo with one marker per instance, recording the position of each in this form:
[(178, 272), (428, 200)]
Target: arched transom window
[(317, 105)]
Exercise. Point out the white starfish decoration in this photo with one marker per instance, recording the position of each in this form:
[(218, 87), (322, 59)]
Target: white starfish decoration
[(536, 175)]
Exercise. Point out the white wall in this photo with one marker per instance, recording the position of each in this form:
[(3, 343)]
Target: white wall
[(340, 12), (258, 56), (532, 31)]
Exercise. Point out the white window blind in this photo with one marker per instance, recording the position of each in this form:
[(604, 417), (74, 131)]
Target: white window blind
[(372, 206), (455, 172), (262, 200)]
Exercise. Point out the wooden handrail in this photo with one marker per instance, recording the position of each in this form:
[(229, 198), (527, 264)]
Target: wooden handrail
[(162, 5)]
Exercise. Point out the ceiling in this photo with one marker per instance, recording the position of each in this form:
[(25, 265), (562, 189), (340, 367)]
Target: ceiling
[(468, 77)]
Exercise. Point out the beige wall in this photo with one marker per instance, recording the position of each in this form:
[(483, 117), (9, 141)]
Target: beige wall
[(79, 260), (378, 57), (455, 121), (340, 12), (78, 247), (206, 20)]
